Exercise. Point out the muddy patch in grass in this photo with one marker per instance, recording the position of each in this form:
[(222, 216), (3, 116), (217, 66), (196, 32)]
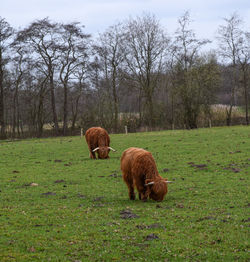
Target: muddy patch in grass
[(48, 194), (100, 198), (198, 166), (68, 164), (205, 218), (59, 181), (151, 237), (64, 197), (235, 152), (128, 214), (81, 196), (98, 202), (232, 167), (115, 175), (152, 226), (246, 220), (179, 205)]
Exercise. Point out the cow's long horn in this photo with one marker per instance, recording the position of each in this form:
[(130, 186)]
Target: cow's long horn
[(95, 149), (111, 149), (150, 183), (169, 181)]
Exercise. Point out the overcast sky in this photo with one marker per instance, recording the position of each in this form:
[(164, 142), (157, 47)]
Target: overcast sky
[(98, 15)]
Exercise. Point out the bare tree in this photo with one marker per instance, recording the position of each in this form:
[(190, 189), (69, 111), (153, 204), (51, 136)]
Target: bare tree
[(243, 59), (19, 70), (111, 54), (185, 49), (76, 94), (6, 31), (98, 81), (145, 45), (229, 37), (42, 36), (74, 54)]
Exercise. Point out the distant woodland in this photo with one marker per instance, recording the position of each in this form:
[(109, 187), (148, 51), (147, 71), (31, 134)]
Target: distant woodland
[(56, 78)]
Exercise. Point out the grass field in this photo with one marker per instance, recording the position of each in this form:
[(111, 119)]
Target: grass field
[(78, 209)]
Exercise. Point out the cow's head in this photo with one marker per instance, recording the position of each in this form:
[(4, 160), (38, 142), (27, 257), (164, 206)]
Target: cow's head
[(157, 189), (103, 151)]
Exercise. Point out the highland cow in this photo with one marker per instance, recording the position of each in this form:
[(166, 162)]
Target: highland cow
[(139, 169), (98, 141)]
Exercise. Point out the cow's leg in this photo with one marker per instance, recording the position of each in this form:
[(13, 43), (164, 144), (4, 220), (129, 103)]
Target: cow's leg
[(91, 153), (143, 195), (143, 191), (130, 186), (131, 193)]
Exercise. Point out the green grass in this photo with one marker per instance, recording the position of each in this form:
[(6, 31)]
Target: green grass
[(204, 216)]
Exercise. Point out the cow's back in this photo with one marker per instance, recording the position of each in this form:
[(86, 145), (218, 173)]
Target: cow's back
[(97, 136), (137, 161)]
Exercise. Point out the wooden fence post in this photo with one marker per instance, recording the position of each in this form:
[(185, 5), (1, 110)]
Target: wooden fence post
[(210, 123)]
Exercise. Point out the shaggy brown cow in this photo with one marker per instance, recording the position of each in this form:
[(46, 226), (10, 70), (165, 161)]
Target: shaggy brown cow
[(139, 169), (98, 141)]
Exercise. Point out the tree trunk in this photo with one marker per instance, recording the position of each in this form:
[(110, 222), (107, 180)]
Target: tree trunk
[(149, 106), (75, 113), (139, 107), (14, 114), (2, 120), (172, 111), (115, 98), (53, 103), (65, 109), (191, 117), (246, 96), (18, 116), (40, 116), (151, 112)]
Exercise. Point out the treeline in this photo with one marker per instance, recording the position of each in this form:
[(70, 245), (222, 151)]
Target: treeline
[(55, 78)]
